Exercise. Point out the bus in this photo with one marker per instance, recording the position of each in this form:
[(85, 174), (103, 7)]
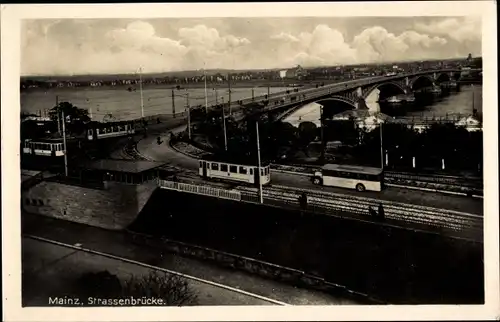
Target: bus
[(349, 176)]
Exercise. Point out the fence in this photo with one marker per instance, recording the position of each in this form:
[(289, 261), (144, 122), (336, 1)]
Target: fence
[(200, 190)]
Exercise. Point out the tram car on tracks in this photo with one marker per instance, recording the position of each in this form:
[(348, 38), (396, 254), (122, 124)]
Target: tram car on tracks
[(98, 130), (44, 147), (212, 169)]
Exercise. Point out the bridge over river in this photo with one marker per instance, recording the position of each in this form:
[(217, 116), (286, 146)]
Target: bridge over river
[(353, 92)]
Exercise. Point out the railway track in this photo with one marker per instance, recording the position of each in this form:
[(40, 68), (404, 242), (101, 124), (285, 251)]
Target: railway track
[(324, 201), (464, 185), (471, 226)]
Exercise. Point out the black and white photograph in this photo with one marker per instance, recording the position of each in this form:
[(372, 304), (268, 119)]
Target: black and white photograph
[(215, 156)]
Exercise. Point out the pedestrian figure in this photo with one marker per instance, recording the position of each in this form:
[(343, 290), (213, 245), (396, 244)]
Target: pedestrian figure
[(381, 211), (303, 200), (372, 212)]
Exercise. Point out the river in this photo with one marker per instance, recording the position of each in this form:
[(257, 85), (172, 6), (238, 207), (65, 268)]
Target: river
[(452, 104), (124, 105)]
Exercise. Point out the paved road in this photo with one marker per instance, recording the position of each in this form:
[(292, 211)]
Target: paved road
[(150, 149), (116, 243)]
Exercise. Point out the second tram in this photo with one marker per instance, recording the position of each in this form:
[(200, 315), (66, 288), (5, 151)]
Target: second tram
[(209, 169)]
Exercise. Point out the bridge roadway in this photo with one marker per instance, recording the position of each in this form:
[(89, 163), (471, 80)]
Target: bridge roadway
[(149, 149)]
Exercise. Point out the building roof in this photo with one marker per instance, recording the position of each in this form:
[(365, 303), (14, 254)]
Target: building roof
[(352, 168), (361, 114), (45, 140), (130, 166)]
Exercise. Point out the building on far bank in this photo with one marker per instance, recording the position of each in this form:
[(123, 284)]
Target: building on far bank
[(295, 73)]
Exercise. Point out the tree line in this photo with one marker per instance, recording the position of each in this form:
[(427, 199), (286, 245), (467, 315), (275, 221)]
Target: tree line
[(403, 146)]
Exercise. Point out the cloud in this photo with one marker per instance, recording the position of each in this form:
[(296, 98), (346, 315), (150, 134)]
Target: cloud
[(69, 46), (325, 45), (459, 29), (70, 49)]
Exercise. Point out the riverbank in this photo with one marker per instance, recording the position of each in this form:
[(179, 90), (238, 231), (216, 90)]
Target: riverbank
[(393, 265), (220, 85)]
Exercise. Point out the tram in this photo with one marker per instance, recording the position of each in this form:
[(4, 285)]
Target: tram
[(44, 147), (97, 130), (212, 169)]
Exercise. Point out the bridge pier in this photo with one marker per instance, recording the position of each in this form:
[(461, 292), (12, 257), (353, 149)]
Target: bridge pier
[(361, 104)]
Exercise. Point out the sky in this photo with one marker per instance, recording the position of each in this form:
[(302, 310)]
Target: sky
[(109, 46)]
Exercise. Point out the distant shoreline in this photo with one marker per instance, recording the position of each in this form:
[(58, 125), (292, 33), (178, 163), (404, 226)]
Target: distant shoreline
[(235, 84)]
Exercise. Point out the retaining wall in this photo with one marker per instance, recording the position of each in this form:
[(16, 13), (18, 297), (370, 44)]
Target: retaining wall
[(113, 207), (253, 266)]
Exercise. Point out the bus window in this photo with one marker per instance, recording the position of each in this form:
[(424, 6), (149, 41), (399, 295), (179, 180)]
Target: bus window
[(223, 167), (215, 166), (243, 170), (233, 169)]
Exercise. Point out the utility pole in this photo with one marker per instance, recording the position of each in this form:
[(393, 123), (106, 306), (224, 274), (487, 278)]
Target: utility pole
[(90, 113), (253, 97), (58, 115), (206, 99), (321, 125), (64, 142), (229, 85), (140, 88), (188, 115), (224, 126), (381, 148), (173, 103), (261, 199), (216, 97), (268, 91)]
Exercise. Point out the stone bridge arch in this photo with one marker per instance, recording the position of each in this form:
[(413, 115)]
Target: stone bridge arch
[(393, 84), (420, 78), (443, 77), (339, 98)]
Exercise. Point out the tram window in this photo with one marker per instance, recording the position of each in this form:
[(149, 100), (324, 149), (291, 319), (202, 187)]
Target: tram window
[(251, 171), (233, 169), (201, 164), (40, 202), (215, 166), (243, 170), (223, 167), (33, 202), (261, 172)]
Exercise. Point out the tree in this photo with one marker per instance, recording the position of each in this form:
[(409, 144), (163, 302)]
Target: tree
[(172, 289), (308, 131), (75, 117)]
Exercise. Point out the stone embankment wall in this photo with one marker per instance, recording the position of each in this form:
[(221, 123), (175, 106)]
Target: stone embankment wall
[(113, 207)]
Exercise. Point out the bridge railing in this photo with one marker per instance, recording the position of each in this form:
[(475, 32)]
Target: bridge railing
[(200, 190)]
